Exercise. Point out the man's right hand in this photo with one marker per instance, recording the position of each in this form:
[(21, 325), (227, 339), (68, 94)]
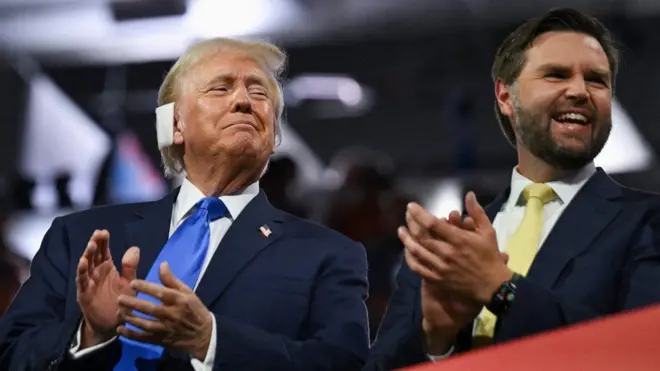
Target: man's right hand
[(444, 313), (99, 284)]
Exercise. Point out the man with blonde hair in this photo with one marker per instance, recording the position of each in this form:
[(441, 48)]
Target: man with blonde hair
[(212, 276)]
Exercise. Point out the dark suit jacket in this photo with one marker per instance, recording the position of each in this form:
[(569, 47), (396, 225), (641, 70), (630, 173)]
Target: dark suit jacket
[(291, 301), (602, 257)]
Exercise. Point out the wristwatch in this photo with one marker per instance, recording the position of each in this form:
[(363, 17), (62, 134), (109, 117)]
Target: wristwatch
[(504, 296)]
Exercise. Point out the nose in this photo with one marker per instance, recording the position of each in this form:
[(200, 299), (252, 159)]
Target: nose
[(577, 90), (241, 102)]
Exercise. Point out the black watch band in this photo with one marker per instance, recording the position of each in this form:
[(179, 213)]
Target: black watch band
[(504, 296)]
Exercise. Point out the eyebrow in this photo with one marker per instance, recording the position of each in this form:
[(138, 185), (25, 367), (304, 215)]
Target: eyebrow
[(594, 72), (600, 72), (225, 77)]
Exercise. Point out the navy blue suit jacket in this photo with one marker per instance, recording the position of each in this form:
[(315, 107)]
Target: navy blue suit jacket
[(601, 257), (291, 301)]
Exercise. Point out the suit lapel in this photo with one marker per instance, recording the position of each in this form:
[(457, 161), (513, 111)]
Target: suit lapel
[(242, 242), (582, 221), (494, 207), (150, 231)]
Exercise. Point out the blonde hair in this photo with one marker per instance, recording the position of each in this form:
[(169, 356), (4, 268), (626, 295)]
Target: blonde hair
[(269, 56)]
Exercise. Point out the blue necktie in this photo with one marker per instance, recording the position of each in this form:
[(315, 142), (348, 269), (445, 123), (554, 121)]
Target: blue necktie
[(185, 252)]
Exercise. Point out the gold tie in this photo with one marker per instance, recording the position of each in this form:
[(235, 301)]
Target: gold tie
[(522, 248)]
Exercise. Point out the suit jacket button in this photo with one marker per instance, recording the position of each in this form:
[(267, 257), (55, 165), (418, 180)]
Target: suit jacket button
[(54, 363)]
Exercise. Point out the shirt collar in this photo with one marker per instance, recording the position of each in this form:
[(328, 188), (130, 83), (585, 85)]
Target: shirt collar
[(189, 195), (565, 188)]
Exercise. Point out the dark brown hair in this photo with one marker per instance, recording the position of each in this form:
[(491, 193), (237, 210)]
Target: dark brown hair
[(510, 56)]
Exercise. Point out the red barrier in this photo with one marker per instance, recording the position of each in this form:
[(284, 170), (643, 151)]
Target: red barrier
[(625, 342)]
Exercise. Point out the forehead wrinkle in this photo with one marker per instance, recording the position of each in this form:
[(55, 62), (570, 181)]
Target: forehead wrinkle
[(253, 75), (551, 61), (223, 76)]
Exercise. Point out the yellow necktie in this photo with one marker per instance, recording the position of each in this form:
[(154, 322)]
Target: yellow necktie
[(522, 248)]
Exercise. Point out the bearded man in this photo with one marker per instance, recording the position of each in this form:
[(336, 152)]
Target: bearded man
[(562, 244)]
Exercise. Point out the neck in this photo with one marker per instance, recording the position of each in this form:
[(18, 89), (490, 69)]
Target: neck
[(537, 170), (220, 179)]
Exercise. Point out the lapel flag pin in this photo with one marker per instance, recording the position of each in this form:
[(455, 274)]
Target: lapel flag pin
[(265, 230)]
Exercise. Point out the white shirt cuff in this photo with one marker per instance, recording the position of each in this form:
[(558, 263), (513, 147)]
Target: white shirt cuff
[(75, 345), (207, 365), (441, 357), (197, 365)]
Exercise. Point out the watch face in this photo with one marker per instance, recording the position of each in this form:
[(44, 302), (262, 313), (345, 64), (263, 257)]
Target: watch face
[(503, 298)]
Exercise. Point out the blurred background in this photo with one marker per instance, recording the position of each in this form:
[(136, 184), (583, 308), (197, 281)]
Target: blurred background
[(388, 101)]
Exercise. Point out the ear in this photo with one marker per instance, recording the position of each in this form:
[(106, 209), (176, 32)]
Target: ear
[(179, 127), (504, 98)]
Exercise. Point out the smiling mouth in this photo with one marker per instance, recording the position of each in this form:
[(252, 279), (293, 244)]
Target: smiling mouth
[(572, 119), (573, 125), (242, 124)]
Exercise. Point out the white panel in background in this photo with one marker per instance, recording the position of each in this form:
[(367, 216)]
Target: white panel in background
[(445, 196), (60, 138), (626, 150), (312, 170), (25, 231)]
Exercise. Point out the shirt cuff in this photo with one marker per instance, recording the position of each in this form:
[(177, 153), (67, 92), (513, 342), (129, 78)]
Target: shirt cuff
[(74, 348), (207, 365), (441, 357)]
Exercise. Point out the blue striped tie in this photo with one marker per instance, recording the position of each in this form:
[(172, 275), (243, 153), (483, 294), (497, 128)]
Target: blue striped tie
[(185, 252)]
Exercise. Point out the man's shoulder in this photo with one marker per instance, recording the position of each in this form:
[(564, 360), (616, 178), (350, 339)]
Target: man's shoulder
[(300, 228), (625, 195), (640, 207), (648, 202), (640, 198)]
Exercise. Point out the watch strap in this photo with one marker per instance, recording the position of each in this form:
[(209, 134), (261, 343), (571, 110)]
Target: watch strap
[(504, 296)]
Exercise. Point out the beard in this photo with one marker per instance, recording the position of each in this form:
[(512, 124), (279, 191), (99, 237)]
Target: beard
[(533, 129)]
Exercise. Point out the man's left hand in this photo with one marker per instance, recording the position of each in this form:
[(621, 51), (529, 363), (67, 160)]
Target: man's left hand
[(464, 261), (180, 323)]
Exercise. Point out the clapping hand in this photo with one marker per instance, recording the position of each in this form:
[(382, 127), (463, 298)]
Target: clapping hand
[(459, 260), (181, 322), (99, 284), (429, 253), (444, 313)]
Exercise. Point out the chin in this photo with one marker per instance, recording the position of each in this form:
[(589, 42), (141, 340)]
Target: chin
[(243, 150), (573, 143), (569, 158), (239, 139), (576, 149)]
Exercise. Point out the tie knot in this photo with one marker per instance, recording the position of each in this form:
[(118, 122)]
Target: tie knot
[(214, 206), (541, 191)]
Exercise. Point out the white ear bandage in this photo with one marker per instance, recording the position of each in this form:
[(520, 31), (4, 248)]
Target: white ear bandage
[(165, 125)]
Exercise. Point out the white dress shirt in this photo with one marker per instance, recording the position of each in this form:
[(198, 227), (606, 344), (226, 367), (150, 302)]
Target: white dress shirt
[(188, 196), (511, 214)]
